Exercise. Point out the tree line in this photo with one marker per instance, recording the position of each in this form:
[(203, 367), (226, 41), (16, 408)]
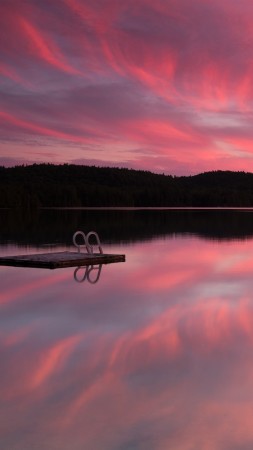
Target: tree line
[(68, 185)]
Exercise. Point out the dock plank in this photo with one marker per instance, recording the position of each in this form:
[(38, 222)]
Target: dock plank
[(60, 259)]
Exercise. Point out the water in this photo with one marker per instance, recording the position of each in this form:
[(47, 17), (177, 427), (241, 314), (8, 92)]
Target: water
[(154, 353)]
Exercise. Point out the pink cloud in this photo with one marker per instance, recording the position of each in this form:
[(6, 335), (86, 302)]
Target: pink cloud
[(125, 75)]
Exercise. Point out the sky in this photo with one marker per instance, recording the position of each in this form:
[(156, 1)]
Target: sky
[(163, 85)]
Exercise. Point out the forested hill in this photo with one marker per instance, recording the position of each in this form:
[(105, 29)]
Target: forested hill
[(74, 185)]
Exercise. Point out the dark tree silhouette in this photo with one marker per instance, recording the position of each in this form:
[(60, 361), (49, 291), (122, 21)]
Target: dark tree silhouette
[(48, 185)]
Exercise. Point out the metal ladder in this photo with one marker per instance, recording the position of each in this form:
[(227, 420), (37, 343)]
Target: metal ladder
[(86, 242)]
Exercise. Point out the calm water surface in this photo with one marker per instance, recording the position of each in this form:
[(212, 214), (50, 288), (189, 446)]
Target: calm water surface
[(152, 354)]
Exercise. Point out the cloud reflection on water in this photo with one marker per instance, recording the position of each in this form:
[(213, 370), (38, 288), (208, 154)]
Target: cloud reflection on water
[(156, 355)]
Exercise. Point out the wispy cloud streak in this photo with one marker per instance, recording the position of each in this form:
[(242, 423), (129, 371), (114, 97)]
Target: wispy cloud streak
[(173, 79)]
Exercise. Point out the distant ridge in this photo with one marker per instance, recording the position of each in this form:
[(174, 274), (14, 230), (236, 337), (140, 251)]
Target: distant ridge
[(48, 185)]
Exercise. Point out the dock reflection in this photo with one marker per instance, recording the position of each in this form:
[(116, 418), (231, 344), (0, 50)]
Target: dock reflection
[(87, 273)]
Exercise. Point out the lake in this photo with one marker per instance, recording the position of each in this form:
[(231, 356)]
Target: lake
[(154, 353)]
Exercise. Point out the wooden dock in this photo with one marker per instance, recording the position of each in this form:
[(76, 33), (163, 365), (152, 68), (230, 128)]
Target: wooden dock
[(60, 259)]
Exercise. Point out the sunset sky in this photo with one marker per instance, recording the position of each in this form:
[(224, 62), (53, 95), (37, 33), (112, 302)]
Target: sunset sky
[(164, 85)]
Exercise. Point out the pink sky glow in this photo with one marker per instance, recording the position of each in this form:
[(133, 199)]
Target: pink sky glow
[(165, 86)]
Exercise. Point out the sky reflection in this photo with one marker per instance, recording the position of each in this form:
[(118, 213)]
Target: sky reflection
[(157, 354)]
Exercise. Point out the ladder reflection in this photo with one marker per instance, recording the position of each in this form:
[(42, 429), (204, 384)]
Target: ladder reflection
[(90, 273)]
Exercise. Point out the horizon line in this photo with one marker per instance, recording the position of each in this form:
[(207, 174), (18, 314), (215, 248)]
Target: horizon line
[(121, 168)]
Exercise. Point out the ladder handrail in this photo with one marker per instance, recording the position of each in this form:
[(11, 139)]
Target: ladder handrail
[(86, 241)]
